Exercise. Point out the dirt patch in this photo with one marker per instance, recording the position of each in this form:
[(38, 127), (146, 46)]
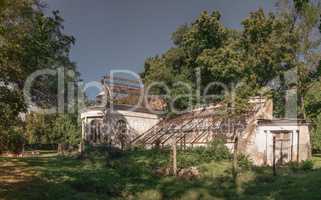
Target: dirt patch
[(12, 172)]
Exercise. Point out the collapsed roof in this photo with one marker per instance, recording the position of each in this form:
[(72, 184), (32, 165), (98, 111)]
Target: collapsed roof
[(202, 125)]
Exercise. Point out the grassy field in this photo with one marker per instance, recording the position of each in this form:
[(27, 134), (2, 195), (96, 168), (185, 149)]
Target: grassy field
[(130, 177)]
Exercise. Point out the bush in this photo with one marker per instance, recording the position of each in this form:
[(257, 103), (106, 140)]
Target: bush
[(316, 135), (188, 159), (214, 151), (218, 150), (11, 140), (244, 162), (15, 141), (306, 165)]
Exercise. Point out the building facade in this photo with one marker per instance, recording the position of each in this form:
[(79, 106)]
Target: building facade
[(261, 137)]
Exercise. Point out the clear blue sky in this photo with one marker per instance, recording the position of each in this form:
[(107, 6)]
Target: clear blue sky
[(121, 34)]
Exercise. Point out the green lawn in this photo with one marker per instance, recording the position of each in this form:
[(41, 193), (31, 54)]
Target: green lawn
[(130, 177)]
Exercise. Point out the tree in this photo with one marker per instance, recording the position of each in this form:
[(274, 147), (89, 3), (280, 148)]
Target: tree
[(29, 41), (316, 134), (180, 63), (264, 50), (305, 21), (65, 131)]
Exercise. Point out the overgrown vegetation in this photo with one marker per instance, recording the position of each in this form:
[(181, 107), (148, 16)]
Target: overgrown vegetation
[(215, 151), (265, 52), (129, 175)]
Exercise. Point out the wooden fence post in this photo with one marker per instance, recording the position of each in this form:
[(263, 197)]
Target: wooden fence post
[(298, 147), (174, 156), (235, 167), (274, 167)]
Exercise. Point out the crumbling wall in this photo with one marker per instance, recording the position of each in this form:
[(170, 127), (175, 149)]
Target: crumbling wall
[(247, 139)]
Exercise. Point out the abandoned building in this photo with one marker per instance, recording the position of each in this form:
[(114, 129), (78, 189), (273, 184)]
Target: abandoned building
[(260, 136)]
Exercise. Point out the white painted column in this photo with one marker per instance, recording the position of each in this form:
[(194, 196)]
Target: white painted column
[(266, 146), (81, 145), (293, 137), (298, 141)]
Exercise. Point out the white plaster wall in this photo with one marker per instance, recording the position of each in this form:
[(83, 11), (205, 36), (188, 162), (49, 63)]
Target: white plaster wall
[(140, 122)]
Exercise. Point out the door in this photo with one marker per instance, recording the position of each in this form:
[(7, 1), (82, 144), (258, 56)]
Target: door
[(282, 147)]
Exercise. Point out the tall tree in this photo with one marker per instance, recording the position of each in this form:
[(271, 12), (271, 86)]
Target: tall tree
[(29, 41), (305, 19), (262, 51)]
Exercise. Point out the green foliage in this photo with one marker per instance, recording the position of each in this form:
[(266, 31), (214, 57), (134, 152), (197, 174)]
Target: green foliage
[(206, 32), (180, 63), (269, 46), (52, 129), (214, 151), (65, 130), (30, 41), (15, 140), (306, 165), (70, 178), (12, 140), (316, 134), (218, 150), (263, 51), (244, 162), (312, 100), (300, 5), (11, 103)]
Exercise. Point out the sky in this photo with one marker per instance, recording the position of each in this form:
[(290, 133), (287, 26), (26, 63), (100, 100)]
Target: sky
[(121, 34)]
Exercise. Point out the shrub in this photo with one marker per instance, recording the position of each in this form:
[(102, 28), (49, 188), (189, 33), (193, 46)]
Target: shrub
[(218, 150), (293, 166), (214, 151), (316, 134), (16, 140), (188, 159), (244, 162), (306, 165)]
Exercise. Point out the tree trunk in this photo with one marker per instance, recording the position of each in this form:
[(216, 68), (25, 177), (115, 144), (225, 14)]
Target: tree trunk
[(302, 107)]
